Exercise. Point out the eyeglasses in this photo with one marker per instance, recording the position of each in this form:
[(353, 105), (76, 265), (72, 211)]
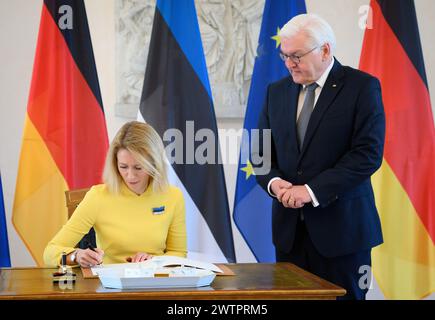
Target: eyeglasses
[(294, 58)]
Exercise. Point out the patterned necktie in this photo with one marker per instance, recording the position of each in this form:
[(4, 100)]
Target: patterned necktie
[(304, 116)]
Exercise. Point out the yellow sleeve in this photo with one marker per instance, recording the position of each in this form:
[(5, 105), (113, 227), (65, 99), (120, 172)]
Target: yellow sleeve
[(176, 242), (72, 232)]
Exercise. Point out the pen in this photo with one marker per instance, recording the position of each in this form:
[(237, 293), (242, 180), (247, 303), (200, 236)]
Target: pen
[(90, 247)]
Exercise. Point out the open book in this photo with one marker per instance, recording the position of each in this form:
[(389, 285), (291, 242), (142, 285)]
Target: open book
[(158, 262)]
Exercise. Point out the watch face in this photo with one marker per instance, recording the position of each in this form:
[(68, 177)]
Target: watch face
[(73, 257)]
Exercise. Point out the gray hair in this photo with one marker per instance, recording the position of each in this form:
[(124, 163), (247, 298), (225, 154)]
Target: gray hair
[(317, 30)]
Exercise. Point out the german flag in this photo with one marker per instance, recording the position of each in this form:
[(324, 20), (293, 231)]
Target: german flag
[(404, 266), (65, 136)]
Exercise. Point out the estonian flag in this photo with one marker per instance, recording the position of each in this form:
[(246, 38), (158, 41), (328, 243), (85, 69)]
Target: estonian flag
[(5, 260), (252, 205), (176, 100), (404, 266), (65, 137)]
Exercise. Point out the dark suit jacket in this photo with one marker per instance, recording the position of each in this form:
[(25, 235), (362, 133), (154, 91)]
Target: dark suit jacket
[(343, 147)]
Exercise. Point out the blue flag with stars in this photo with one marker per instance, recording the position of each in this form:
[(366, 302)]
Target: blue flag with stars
[(5, 260), (252, 205)]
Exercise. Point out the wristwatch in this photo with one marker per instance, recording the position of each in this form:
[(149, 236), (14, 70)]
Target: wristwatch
[(73, 257)]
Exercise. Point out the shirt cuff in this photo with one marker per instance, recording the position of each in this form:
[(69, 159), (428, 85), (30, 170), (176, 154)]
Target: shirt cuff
[(269, 184), (313, 197)]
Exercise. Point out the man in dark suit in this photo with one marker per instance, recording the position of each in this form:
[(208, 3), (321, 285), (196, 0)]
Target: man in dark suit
[(328, 126)]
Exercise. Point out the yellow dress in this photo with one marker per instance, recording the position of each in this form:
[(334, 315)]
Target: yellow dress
[(125, 224)]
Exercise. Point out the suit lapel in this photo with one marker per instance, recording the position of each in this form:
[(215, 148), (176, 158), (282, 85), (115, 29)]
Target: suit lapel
[(290, 105), (332, 86)]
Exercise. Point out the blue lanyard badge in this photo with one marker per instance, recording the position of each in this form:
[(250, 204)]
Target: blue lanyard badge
[(159, 210)]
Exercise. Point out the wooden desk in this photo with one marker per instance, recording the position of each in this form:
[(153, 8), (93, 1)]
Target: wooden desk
[(252, 281)]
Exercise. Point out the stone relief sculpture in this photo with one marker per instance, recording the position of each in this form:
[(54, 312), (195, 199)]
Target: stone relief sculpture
[(229, 33), (133, 26)]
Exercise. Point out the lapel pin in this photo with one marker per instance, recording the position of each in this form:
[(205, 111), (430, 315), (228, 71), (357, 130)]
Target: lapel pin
[(334, 85), (159, 210)]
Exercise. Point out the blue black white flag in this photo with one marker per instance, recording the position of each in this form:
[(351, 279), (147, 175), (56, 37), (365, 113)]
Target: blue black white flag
[(177, 101)]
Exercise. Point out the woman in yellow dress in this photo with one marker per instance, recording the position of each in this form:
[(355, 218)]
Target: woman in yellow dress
[(135, 213)]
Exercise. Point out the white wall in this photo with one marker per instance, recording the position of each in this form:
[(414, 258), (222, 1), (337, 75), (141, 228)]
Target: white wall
[(19, 22)]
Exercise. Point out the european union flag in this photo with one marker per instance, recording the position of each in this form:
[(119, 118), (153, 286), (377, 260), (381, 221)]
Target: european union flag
[(5, 260), (252, 205)]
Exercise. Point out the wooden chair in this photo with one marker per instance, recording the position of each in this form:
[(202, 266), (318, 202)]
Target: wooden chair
[(73, 198)]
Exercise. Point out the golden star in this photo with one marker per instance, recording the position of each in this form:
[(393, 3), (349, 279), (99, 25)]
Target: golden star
[(248, 169), (277, 38)]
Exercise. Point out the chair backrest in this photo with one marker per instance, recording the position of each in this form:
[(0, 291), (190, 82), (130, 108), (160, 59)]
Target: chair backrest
[(73, 198)]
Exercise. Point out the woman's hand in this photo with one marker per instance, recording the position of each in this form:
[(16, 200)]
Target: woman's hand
[(139, 257), (88, 258)]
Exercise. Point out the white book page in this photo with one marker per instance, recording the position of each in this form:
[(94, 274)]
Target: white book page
[(158, 262)]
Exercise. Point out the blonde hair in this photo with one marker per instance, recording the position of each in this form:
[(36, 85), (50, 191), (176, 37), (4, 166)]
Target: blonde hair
[(145, 145), (317, 30)]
